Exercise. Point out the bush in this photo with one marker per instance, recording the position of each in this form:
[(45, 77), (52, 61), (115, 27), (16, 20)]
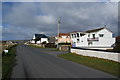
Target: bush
[(50, 45), (117, 47), (64, 43)]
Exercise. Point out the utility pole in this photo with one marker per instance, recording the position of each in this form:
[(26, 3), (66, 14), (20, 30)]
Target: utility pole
[(59, 21)]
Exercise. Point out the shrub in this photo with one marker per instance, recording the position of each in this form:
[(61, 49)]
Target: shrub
[(50, 45), (117, 47), (64, 43)]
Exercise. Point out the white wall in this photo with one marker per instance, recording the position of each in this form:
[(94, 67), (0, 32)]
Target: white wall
[(44, 39), (38, 42), (34, 37), (99, 54), (105, 41), (32, 41)]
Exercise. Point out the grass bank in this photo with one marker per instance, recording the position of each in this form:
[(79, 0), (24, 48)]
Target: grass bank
[(108, 66), (8, 62)]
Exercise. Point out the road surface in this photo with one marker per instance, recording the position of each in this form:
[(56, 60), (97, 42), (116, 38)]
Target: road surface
[(43, 63)]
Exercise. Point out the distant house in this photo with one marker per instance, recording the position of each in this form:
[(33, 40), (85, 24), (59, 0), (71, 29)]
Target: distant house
[(101, 37), (64, 38), (39, 38)]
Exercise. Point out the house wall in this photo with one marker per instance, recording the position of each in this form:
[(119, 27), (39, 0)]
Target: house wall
[(40, 41), (64, 39), (44, 40), (82, 40), (32, 41), (34, 37), (99, 54), (105, 41)]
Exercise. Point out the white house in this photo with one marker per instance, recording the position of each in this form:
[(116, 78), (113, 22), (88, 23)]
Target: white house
[(39, 38), (101, 37)]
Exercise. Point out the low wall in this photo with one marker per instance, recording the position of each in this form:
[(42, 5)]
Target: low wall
[(64, 47), (99, 54)]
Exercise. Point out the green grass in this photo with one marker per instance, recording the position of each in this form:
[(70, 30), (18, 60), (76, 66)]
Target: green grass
[(58, 50), (35, 46), (8, 63), (97, 63), (40, 47)]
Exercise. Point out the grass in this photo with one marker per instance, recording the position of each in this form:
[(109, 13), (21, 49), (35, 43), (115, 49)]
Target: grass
[(58, 50), (8, 63), (97, 63), (40, 47), (35, 46)]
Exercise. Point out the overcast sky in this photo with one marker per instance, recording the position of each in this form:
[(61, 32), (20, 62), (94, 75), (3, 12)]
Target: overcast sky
[(21, 20)]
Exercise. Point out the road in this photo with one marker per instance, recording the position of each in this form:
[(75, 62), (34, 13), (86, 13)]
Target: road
[(43, 63)]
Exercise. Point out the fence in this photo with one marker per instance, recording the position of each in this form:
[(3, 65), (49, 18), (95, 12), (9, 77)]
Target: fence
[(114, 56)]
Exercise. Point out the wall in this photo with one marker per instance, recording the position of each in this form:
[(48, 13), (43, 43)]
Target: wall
[(99, 54), (44, 39), (64, 47), (32, 41)]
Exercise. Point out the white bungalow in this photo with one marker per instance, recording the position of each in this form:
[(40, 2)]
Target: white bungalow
[(39, 38), (101, 37)]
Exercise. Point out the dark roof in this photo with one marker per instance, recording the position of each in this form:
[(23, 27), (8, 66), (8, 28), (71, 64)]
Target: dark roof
[(40, 36), (74, 31), (95, 30)]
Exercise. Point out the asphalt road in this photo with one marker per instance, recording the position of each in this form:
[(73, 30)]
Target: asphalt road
[(43, 63)]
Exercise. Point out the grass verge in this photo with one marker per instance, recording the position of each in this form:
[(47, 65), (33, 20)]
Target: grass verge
[(97, 63), (40, 47), (35, 46), (8, 63)]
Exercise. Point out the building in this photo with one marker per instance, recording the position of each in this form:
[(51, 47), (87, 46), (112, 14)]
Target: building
[(63, 38), (101, 37), (39, 38), (51, 39)]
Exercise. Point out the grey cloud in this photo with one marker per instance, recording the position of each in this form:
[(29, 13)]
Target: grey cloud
[(42, 17)]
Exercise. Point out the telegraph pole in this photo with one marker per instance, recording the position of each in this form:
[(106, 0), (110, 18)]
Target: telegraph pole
[(59, 21)]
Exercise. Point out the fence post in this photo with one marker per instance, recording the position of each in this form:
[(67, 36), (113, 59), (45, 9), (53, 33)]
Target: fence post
[(69, 49)]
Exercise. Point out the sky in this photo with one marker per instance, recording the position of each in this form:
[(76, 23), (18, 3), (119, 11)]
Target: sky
[(21, 20)]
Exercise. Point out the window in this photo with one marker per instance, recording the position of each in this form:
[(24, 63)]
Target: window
[(93, 36), (72, 35), (88, 35), (81, 34), (77, 34), (78, 40), (101, 35)]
